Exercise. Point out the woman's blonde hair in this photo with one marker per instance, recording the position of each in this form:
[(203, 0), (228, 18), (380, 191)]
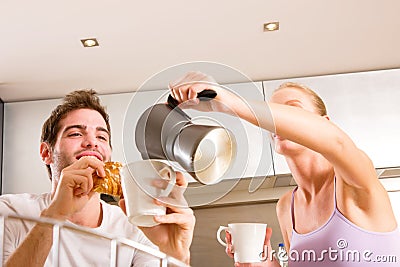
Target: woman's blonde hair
[(316, 99)]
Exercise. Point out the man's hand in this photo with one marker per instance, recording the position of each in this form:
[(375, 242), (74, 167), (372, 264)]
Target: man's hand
[(74, 189), (174, 234)]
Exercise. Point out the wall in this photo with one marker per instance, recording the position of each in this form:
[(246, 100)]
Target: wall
[(23, 170)]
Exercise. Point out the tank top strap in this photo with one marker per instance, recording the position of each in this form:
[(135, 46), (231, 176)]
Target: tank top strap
[(292, 207), (334, 193), (292, 202)]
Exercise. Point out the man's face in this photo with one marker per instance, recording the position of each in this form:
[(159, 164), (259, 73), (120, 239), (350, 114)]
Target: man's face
[(83, 132)]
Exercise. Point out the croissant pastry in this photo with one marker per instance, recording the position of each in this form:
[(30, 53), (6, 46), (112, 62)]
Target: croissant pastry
[(111, 183)]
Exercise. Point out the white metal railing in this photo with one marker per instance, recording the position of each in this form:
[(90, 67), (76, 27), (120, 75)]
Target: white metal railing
[(165, 260)]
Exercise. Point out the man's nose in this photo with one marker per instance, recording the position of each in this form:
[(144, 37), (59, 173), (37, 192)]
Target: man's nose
[(90, 141)]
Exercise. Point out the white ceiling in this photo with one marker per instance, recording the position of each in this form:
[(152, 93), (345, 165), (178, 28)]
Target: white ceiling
[(41, 55)]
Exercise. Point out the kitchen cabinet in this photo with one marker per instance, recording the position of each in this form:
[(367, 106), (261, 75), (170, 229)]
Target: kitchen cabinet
[(125, 116), (253, 156), (364, 105), (253, 153)]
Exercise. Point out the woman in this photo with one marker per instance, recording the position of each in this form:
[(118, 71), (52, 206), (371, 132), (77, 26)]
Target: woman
[(340, 214)]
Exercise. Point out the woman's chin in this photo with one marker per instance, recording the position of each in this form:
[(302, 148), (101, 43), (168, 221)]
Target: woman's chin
[(286, 148)]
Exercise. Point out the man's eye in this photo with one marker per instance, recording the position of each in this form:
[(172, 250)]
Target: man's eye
[(103, 138), (74, 134)]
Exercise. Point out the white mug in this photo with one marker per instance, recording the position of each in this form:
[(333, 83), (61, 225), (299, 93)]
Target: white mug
[(247, 241), (139, 191)]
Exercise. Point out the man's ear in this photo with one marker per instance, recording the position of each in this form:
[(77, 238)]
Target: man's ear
[(45, 153)]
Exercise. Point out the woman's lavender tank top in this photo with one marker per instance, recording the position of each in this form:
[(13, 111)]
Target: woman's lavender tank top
[(340, 242)]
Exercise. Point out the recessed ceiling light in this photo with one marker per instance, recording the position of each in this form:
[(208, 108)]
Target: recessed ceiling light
[(271, 26), (90, 42)]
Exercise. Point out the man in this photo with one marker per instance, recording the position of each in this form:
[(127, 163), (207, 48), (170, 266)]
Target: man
[(75, 143)]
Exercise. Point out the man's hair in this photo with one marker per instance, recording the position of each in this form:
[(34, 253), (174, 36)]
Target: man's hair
[(316, 99), (80, 99)]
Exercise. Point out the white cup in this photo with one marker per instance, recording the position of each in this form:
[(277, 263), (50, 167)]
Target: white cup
[(247, 241), (137, 180)]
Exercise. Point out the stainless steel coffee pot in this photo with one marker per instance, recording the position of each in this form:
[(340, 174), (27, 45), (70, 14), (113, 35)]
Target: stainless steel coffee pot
[(164, 131)]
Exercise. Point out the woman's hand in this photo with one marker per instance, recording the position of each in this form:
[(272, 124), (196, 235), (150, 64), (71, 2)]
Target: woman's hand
[(270, 261), (185, 90)]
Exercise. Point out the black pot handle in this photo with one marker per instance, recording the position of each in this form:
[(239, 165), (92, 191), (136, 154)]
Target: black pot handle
[(204, 95)]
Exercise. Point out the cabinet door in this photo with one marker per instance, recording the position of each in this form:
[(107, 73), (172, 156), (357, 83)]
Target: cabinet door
[(254, 147), (253, 151), (364, 105), (125, 111)]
